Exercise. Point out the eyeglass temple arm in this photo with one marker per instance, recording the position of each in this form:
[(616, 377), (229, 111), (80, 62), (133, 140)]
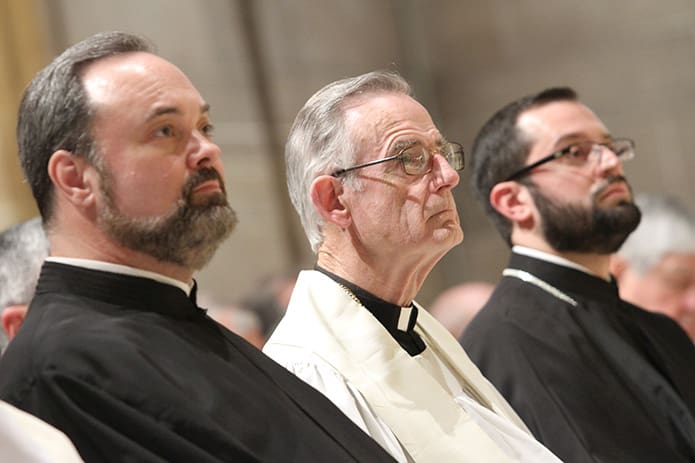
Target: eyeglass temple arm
[(340, 172), (531, 166)]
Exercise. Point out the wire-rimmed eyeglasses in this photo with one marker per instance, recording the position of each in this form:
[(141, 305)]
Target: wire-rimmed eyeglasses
[(580, 153), (416, 159)]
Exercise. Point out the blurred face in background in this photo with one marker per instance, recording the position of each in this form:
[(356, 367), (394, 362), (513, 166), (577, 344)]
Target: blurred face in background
[(668, 287)]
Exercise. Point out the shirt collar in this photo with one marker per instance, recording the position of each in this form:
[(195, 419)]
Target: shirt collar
[(398, 321), (122, 270)]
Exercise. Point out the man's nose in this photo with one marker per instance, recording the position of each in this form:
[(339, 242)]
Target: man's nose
[(445, 175), (608, 161), (202, 151)]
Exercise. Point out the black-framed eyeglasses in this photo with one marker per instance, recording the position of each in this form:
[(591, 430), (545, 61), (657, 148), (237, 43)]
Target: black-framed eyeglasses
[(580, 153), (416, 159)]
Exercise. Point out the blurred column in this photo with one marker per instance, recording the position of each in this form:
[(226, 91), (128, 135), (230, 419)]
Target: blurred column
[(21, 55)]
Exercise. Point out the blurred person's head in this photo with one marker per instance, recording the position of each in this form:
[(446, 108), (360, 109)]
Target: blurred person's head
[(115, 143), (456, 306), (268, 300), (23, 249), (655, 268), (239, 320)]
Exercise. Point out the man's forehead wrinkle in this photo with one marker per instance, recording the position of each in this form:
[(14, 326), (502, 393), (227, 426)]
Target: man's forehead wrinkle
[(364, 129)]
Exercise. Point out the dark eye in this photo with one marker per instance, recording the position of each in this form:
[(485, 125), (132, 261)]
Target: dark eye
[(207, 130), (619, 148), (579, 151), (166, 131)]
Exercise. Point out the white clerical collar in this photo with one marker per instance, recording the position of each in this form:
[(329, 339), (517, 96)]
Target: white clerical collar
[(404, 318), (123, 270), (542, 255)]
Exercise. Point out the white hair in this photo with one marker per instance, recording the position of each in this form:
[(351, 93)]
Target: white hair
[(23, 248), (667, 227)]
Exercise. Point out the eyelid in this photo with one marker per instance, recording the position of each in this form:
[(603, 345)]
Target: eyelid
[(401, 146), (166, 126)]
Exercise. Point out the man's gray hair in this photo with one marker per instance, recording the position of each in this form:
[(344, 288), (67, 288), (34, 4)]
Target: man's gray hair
[(320, 143), (667, 227), (23, 248)]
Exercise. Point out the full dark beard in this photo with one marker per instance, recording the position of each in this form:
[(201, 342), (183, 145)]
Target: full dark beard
[(573, 228), (188, 237)]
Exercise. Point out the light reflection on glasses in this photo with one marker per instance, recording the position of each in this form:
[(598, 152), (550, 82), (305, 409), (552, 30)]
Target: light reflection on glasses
[(416, 159), (580, 153)]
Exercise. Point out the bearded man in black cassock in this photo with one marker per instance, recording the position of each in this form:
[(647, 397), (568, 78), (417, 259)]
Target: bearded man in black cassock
[(114, 351), (595, 378)]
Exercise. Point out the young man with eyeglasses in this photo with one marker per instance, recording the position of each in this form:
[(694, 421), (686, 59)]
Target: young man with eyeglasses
[(595, 378), (371, 178)]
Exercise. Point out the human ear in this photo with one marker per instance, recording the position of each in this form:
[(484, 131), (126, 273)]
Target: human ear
[(618, 267), (71, 176), (512, 200), (327, 196), (12, 318)]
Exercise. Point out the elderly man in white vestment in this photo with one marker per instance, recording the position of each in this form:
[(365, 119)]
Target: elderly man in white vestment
[(371, 178)]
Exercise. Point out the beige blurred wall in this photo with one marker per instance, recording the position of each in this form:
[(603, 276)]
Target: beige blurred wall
[(257, 61), (21, 55)]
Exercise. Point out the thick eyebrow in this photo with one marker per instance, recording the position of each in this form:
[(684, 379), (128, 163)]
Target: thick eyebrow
[(576, 136), (163, 110), (401, 144)]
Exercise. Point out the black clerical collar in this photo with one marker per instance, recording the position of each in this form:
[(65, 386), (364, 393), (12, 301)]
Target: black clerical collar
[(139, 293), (398, 321)]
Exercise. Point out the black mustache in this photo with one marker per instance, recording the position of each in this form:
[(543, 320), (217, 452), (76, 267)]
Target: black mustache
[(202, 176), (611, 180)]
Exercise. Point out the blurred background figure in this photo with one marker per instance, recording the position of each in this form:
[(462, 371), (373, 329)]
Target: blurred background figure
[(239, 320), (268, 300), (457, 306), (23, 248), (655, 268)]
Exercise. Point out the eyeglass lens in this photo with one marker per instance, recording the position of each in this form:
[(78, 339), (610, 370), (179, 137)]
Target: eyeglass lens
[(583, 151), (418, 160)]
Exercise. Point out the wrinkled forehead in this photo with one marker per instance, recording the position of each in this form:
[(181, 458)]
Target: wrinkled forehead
[(379, 119), (552, 123)]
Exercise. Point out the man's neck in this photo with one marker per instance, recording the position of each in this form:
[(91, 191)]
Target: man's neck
[(389, 284), (102, 249)]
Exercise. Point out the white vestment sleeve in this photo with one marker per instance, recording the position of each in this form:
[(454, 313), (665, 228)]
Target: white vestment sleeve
[(26, 439), (323, 377)]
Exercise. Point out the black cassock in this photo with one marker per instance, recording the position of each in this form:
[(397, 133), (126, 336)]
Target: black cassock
[(596, 381), (132, 370)]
